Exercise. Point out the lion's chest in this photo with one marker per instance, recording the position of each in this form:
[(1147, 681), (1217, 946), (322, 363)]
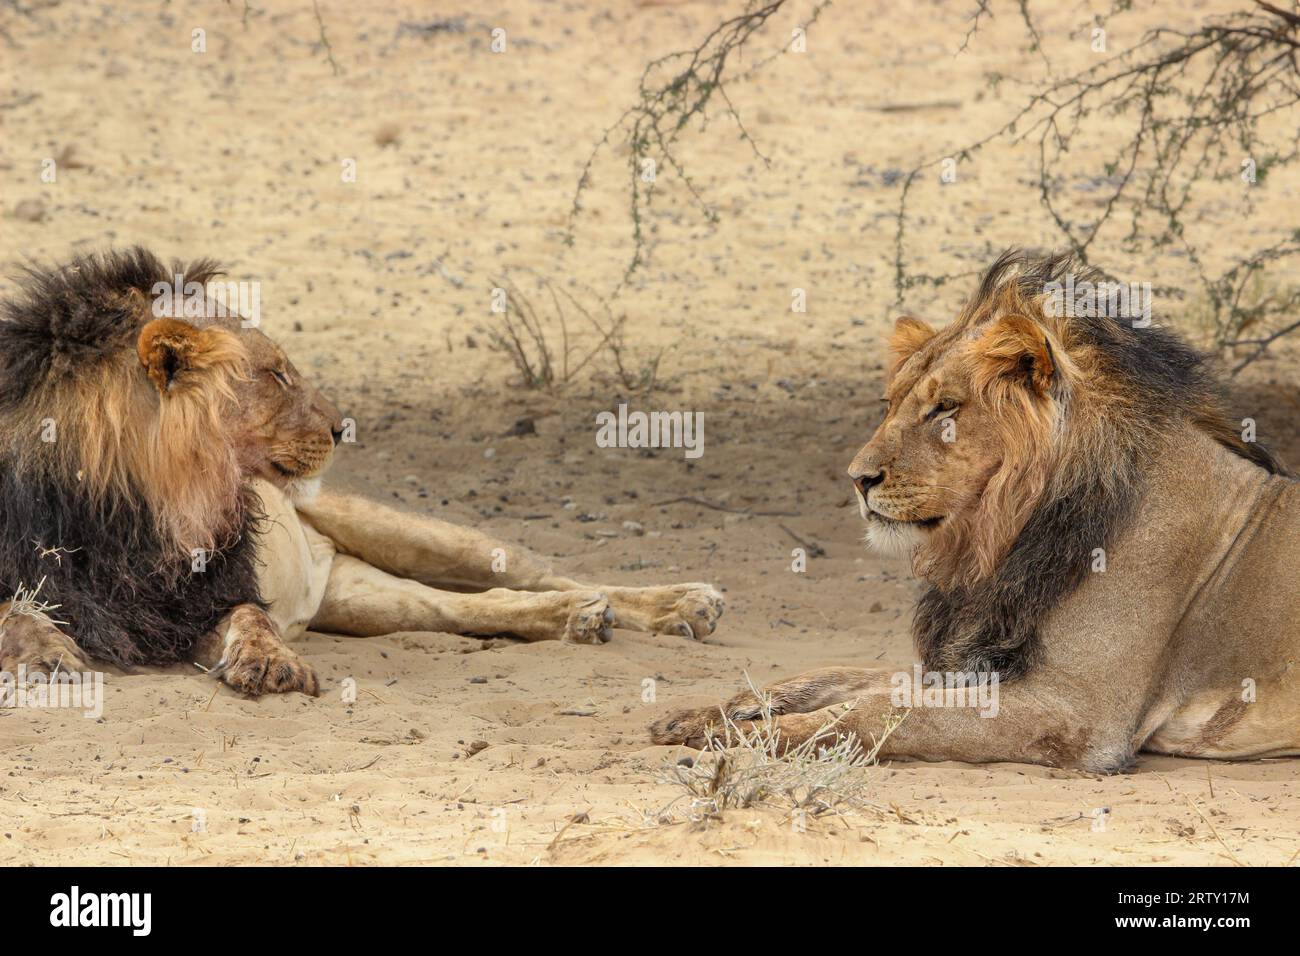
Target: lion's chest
[(295, 564)]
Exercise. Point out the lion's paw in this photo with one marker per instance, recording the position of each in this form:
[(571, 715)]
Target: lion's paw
[(38, 646), (257, 664), (694, 614), (590, 622)]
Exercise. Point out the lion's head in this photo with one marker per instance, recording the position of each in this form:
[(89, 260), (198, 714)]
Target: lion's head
[(288, 428), (1016, 439), (171, 408), (965, 445), (283, 428)]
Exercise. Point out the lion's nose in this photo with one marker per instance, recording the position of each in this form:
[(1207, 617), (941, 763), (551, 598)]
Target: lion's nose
[(866, 482), (337, 434)]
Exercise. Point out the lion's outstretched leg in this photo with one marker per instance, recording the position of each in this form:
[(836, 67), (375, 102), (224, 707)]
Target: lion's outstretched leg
[(365, 601), (32, 641), (433, 552), (245, 651), (809, 691), (440, 554), (1031, 723)]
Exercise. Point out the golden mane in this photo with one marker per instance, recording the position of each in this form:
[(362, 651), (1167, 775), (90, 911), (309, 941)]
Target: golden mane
[(1092, 397)]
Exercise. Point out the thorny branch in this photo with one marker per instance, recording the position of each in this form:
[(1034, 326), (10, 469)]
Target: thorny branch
[(674, 90), (324, 40)]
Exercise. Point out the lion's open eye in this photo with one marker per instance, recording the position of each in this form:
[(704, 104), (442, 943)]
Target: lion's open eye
[(942, 410)]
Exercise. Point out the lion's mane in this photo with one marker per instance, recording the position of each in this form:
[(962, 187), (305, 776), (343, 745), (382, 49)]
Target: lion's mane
[(125, 504), (1074, 469)]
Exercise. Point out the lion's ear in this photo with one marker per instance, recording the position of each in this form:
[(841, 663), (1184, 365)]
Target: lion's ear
[(169, 348), (1017, 347), (910, 333)]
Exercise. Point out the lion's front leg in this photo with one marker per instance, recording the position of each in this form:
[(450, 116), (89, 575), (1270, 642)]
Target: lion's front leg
[(251, 657), (32, 641), (1029, 721), (810, 691)]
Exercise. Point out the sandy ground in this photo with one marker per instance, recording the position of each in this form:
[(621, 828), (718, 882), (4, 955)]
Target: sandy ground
[(466, 162)]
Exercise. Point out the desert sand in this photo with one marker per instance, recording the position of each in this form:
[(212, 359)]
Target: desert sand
[(459, 750)]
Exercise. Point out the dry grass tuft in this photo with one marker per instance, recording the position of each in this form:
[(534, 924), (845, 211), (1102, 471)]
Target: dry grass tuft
[(748, 768), (26, 602)]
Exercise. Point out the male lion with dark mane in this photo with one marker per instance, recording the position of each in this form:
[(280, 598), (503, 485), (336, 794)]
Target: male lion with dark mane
[(1091, 527), (159, 491)]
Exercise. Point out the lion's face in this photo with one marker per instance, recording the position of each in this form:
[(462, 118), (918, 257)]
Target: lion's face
[(927, 470), (288, 428), (278, 426)]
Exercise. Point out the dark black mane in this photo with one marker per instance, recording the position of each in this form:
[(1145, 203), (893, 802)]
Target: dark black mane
[(124, 595)]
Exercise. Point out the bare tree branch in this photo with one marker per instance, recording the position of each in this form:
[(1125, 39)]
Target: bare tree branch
[(674, 90)]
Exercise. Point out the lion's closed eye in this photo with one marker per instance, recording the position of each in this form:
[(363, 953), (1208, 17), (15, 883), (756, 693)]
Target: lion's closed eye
[(943, 408)]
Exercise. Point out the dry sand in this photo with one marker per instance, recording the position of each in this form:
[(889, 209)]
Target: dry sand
[(466, 163)]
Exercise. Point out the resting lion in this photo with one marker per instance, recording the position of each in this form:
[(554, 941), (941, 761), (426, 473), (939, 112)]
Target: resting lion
[(1094, 529), (158, 480)]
